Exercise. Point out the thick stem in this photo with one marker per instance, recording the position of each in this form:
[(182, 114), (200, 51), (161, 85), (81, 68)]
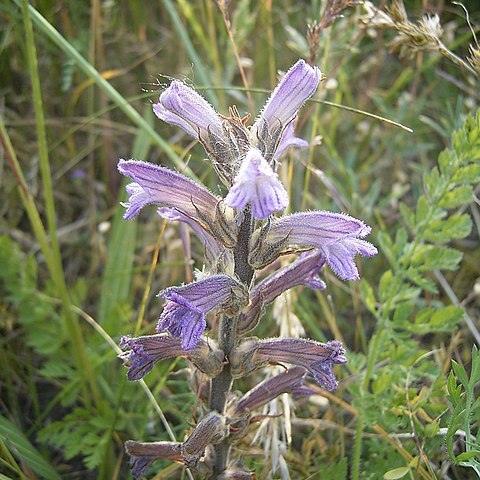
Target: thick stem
[(227, 339)]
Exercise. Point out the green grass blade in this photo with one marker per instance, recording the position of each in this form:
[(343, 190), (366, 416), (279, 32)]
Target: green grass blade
[(25, 451), (192, 53), (47, 29)]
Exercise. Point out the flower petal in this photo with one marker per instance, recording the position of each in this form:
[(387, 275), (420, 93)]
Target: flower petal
[(298, 84), (337, 235), (258, 185), (161, 186), (183, 106), (287, 140), (184, 313)]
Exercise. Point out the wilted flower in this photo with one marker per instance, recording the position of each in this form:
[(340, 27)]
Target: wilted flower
[(211, 429), (143, 454), (318, 358), (289, 381), (143, 352)]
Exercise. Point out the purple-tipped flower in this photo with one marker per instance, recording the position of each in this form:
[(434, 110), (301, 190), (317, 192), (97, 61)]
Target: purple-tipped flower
[(318, 358), (337, 235), (181, 105), (289, 381), (303, 271), (143, 454), (258, 185), (184, 313), (298, 84), (271, 126), (143, 352), (161, 186)]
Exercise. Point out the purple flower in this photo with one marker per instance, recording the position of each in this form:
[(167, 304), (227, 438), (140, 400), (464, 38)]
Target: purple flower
[(181, 105), (289, 381), (298, 84), (144, 352), (303, 271), (318, 358), (184, 313), (143, 454), (287, 140), (258, 185), (337, 235), (244, 158), (161, 186)]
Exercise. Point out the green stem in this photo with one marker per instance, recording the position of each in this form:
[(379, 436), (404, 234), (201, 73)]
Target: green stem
[(376, 343)]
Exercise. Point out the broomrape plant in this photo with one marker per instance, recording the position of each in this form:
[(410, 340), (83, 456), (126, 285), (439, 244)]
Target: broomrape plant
[(241, 235)]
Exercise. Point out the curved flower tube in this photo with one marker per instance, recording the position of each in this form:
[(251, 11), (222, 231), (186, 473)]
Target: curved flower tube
[(271, 126), (337, 235), (161, 186), (143, 454), (143, 352), (289, 381), (184, 313), (303, 271), (214, 248), (318, 358)]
